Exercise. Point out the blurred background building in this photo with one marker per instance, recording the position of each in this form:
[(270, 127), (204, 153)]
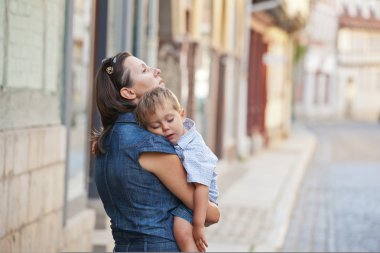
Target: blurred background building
[(241, 68), (338, 66)]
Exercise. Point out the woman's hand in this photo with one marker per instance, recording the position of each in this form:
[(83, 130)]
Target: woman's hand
[(93, 144)]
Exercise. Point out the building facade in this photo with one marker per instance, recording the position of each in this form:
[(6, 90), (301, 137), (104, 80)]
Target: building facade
[(34, 207), (203, 40), (339, 73), (358, 57), (274, 29)]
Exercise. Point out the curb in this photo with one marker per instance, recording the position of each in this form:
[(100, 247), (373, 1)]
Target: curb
[(279, 217)]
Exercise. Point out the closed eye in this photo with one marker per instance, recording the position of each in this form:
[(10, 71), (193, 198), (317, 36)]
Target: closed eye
[(144, 68)]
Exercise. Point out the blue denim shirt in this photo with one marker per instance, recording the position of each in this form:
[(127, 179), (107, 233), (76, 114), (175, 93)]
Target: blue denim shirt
[(134, 199)]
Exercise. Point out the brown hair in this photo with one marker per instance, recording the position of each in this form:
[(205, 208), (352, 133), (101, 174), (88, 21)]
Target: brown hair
[(151, 100), (110, 78)]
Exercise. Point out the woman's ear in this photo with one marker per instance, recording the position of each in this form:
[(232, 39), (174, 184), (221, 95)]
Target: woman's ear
[(127, 93), (182, 113)]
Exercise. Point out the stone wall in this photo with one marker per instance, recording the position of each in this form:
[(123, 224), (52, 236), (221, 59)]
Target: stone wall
[(31, 42), (32, 189)]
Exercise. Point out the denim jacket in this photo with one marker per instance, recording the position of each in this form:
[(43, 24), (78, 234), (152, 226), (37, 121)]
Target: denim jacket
[(134, 199)]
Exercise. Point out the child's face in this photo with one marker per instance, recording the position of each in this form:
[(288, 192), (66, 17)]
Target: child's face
[(167, 122)]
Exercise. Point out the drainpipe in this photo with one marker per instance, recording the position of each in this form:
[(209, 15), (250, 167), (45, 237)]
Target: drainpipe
[(98, 52), (67, 78), (127, 21), (138, 34), (151, 55), (243, 87)]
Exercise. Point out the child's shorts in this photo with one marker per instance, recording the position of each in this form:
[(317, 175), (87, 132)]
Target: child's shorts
[(183, 212)]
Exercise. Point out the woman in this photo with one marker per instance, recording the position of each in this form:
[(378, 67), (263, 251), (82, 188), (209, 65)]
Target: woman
[(139, 177)]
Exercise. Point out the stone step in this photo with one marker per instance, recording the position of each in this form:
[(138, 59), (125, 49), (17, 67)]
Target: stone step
[(102, 241)]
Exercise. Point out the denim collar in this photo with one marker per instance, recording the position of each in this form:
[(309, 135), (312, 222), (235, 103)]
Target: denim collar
[(128, 117)]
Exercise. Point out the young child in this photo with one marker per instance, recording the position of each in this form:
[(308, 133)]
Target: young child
[(160, 112)]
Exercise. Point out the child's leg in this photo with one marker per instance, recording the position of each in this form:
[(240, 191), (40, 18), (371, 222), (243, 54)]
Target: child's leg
[(183, 234)]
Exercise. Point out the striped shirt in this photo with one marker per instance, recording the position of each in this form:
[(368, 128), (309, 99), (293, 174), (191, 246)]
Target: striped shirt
[(197, 159)]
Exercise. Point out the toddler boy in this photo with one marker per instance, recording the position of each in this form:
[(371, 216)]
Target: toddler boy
[(160, 112)]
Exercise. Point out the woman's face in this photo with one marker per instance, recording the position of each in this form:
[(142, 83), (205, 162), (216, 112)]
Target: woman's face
[(144, 78)]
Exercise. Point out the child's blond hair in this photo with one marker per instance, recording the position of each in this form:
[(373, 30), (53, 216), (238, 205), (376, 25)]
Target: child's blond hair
[(151, 100)]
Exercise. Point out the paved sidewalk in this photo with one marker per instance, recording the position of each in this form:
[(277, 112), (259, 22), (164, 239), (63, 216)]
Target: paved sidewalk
[(257, 196)]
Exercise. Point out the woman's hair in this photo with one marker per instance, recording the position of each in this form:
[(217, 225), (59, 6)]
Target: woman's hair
[(159, 96), (110, 78)]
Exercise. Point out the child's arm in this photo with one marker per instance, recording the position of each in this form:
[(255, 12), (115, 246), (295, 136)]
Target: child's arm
[(200, 210)]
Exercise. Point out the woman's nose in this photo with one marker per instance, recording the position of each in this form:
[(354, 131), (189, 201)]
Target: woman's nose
[(156, 71)]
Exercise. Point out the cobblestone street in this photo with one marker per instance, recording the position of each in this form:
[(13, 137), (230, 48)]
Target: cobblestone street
[(338, 208)]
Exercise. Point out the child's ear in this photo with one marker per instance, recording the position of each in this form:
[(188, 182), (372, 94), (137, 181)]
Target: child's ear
[(127, 93)]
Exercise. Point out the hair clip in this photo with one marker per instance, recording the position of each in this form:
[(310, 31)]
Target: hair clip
[(109, 70), (114, 59)]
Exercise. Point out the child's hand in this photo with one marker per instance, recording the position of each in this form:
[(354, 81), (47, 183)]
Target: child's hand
[(200, 238)]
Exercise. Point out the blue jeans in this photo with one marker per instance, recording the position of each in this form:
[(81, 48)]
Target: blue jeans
[(134, 242)]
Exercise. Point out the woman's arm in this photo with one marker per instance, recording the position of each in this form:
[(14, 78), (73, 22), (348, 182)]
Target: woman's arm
[(168, 168)]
